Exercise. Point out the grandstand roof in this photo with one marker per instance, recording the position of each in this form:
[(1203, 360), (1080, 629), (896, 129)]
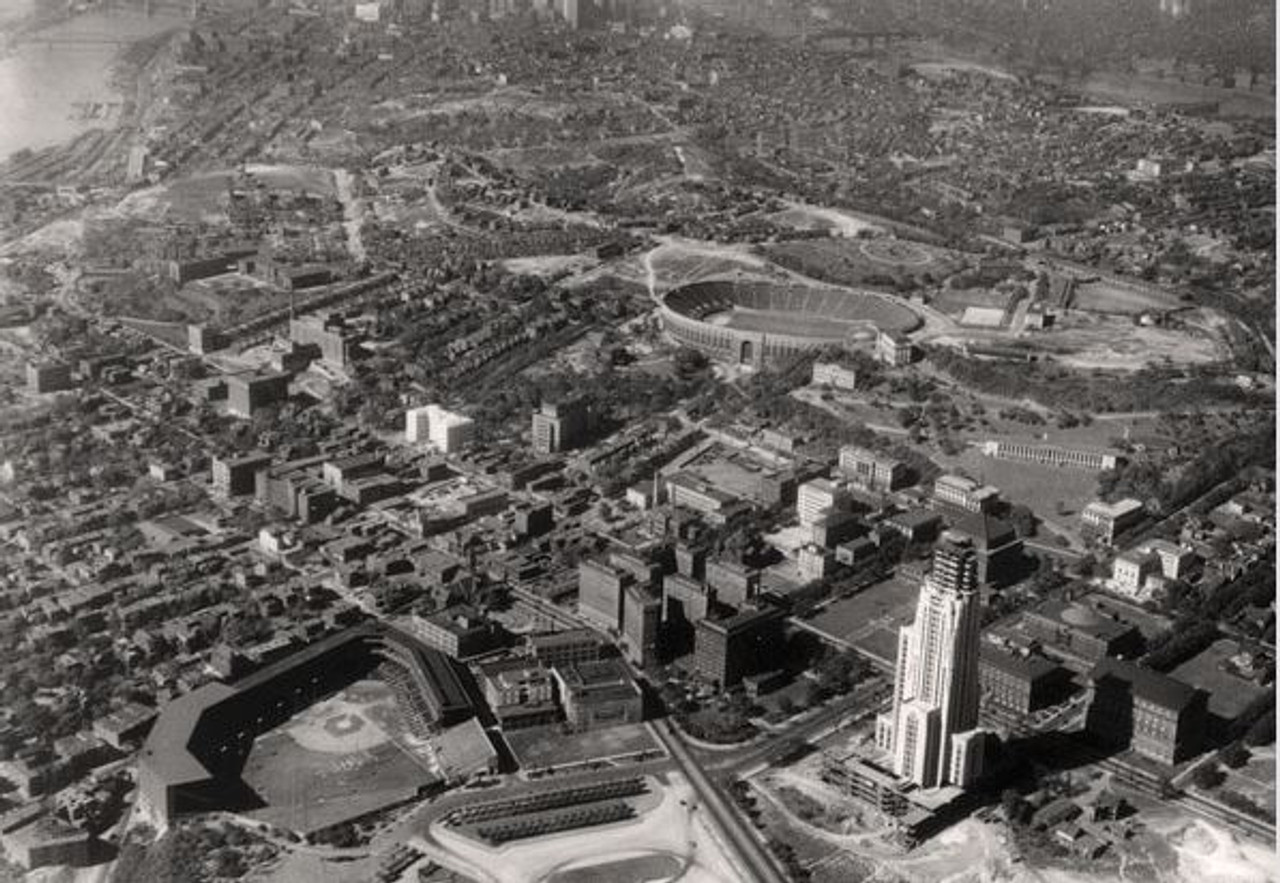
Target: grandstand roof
[(166, 750), (464, 750)]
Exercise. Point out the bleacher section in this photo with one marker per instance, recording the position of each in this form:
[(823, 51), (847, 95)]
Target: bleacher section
[(753, 322)]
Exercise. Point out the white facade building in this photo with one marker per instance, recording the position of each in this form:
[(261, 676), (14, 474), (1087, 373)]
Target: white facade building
[(936, 689), (814, 498), (449, 432)]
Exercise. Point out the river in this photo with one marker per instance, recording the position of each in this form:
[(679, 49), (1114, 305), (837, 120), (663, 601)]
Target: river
[(51, 92)]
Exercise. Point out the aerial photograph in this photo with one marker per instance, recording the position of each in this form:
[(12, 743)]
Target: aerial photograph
[(638, 441)]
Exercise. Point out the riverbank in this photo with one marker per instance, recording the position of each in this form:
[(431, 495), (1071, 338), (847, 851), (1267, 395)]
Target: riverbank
[(62, 81)]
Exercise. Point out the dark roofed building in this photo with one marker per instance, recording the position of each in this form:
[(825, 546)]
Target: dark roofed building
[(1082, 633), (1157, 716), (1019, 684), (565, 648), (598, 694), (747, 643), (1000, 556)]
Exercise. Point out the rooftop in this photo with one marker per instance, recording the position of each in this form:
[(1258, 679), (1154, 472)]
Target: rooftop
[(1114, 510), (1082, 618), (1029, 667), (1149, 685)]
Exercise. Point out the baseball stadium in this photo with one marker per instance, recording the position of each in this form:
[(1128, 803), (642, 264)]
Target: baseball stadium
[(346, 717), (756, 322)]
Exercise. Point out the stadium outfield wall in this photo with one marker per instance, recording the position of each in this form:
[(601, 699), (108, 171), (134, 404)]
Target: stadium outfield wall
[(754, 323)]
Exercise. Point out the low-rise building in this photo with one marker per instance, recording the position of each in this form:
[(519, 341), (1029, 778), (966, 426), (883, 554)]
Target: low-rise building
[(43, 377), (1078, 631), (916, 526), (815, 562), (447, 431), (815, 498), (1104, 521), (202, 339), (1131, 571), (690, 492), (569, 647), (460, 631), (894, 349), (1175, 560), (834, 375), (598, 694), (1050, 455), (870, 470), (519, 693), (126, 727), (45, 842), (337, 343), (964, 494)]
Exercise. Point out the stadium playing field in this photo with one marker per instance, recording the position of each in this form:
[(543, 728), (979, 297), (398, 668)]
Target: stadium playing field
[(784, 323), (340, 758)]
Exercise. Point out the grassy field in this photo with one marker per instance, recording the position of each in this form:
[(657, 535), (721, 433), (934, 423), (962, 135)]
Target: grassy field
[(1228, 695), (1041, 488), (858, 261), (1257, 778), (785, 323), (1107, 297), (550, 746), (956, 302), (870, 619)]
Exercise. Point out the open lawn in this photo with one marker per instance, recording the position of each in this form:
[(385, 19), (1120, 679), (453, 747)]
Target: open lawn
[(859, 261), (1041, 488), (549, 746), (870, 619), (1113, 297), (1228, 694), (1257, 778)]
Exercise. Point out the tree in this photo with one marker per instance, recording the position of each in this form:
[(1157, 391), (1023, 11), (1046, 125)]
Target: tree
[(1015, 808), (1234, 755), (689, 362), (1263, 730), (1208, 776)]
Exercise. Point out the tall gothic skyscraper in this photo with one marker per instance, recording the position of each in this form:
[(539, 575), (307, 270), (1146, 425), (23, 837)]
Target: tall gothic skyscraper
[(931, 730)]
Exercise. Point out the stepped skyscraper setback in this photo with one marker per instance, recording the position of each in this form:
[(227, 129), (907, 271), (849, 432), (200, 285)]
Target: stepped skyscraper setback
[(930, 732)]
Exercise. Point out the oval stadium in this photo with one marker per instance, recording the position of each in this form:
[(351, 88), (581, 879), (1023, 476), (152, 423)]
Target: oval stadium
[(752, 323)]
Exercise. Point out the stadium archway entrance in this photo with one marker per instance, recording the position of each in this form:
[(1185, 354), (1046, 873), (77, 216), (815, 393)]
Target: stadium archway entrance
[(746, 353)]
